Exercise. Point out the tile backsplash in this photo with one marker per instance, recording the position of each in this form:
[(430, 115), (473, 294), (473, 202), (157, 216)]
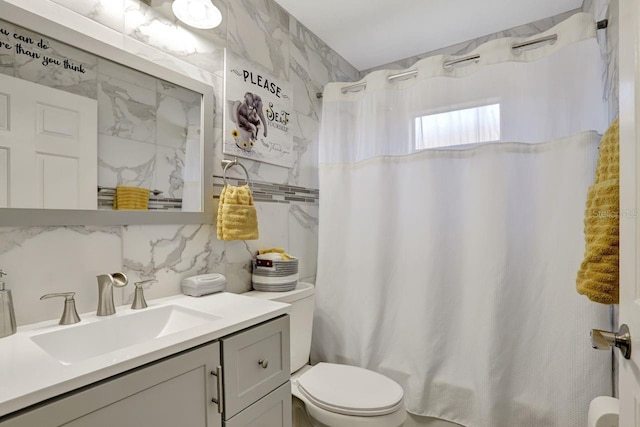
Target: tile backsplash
[(40, 260)]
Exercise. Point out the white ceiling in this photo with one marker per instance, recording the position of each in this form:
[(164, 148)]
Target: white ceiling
[(368, 33)]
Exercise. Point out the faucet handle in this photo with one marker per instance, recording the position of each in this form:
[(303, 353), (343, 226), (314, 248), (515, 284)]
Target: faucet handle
[(69, 314), (2, 273), (138, 298), (142, 282)]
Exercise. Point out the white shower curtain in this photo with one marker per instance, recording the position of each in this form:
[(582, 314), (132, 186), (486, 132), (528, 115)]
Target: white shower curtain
[(452, 270)]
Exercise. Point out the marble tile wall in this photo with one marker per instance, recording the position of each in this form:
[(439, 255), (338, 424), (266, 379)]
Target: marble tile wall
[(55, 259)]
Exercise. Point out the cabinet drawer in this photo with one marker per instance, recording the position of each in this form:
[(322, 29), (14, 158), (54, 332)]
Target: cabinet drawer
[(273, 410), (255, 362)]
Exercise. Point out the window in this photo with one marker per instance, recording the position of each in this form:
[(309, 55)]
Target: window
[(458, 127)]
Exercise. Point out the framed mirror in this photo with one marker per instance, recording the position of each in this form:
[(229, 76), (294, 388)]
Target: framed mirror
[(91, 134)]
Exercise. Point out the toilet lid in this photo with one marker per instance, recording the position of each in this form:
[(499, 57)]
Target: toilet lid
[(350, 390)]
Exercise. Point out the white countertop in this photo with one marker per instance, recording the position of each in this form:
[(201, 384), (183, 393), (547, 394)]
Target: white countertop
[(29, 375)]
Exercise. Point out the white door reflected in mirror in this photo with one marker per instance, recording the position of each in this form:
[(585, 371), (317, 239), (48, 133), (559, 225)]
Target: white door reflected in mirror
[(48, 141)]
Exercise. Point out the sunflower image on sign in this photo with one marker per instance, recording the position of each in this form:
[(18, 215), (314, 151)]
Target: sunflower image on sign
[(243, 144)]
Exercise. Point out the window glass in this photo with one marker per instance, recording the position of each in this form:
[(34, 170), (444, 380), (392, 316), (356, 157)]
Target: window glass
[(458, 127)]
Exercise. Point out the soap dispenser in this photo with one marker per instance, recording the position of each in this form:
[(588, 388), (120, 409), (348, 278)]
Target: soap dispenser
[(7, 314)]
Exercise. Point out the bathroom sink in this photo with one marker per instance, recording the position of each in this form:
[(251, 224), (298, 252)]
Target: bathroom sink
[(105, 335)]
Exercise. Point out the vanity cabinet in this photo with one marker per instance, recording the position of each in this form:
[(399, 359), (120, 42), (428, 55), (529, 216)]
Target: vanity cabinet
[(251, 367), (256, 363), (176, 391), (272, 410)]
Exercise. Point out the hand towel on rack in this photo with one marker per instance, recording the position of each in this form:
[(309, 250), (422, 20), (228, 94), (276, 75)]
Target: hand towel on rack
[(237, 217), (598, 277), (131, 198)]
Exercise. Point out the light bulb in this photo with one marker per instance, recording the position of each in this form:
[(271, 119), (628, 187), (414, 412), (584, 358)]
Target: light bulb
[(197, 13)]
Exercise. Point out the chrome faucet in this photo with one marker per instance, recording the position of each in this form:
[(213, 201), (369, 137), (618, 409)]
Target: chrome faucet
[(7, 312), (106, 282)]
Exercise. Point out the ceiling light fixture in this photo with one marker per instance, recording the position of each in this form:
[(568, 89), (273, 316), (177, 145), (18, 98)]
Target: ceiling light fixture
[(197, 13)]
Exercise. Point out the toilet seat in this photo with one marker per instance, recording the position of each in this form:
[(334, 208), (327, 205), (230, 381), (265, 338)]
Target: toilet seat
[(350, 390)]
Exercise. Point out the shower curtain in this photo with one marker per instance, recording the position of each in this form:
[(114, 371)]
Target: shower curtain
[(452, 270)]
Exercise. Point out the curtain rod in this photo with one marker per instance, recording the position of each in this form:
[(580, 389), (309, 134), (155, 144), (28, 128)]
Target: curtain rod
[(551, 39)]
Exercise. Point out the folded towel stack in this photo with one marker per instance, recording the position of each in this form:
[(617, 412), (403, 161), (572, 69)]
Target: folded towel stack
[(237, 217), (598, 277), (131, 198), (279, 251)]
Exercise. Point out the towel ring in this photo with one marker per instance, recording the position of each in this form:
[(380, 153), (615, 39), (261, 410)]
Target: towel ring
[(230, 164)]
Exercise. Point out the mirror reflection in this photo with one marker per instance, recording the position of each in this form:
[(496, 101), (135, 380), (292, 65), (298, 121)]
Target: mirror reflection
[(78, 131)]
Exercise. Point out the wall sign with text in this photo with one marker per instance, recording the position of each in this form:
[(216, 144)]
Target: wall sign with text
[(35, 49), (258, 115)]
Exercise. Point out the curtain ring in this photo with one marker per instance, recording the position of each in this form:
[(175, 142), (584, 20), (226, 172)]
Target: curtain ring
[(231, 164)]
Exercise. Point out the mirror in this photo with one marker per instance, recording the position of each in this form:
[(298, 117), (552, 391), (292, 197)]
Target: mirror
[(91, 134)]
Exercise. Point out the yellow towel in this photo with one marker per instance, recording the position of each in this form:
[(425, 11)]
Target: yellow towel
[(131, 198), (285, 256), (270, 250), (598, 277), (237, 218)]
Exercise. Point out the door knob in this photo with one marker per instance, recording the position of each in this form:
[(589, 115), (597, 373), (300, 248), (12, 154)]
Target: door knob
[(604, 340)]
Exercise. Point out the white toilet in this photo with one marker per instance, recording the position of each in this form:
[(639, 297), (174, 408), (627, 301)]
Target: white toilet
[(334, 395)]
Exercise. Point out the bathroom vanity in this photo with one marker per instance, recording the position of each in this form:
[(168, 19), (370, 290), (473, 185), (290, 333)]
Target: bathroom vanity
[(211, 361)]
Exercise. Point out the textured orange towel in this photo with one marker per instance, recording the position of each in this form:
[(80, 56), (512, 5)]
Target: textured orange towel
[(131, 198), (598, 277)]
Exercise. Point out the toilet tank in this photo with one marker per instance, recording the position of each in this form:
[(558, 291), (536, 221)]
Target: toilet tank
[(301, 319)]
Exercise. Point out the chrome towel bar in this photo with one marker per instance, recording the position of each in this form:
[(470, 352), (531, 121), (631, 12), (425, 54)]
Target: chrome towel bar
[(227, 164)]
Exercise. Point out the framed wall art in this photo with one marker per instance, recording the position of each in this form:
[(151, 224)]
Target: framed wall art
[(257, 114)]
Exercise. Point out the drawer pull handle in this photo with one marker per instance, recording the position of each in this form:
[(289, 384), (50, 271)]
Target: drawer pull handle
[(220, 400), (264, 363)]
